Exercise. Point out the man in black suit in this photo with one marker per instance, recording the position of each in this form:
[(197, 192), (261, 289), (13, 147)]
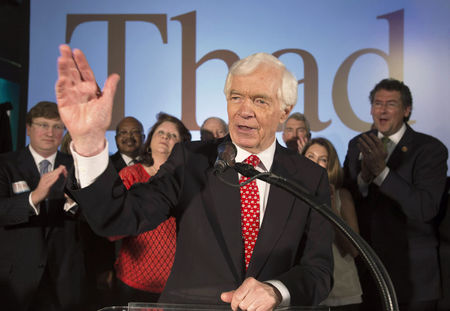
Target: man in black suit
[(397, 177), (41, 259), (292, 260), (129, 138)]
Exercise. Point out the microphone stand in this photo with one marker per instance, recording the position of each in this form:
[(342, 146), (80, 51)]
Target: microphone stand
[(370, 258)]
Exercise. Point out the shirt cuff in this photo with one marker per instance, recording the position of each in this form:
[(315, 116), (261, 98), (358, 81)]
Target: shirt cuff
[(87, 169), (381, 177), (285, 295), (36, 209), (362, 186)]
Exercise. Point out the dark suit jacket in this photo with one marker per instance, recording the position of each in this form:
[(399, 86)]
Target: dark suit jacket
[(397, 218), (30, 244), (117, 161), (294, 242)]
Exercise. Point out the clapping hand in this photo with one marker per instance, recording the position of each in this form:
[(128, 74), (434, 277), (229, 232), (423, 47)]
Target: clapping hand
[(373, 155)]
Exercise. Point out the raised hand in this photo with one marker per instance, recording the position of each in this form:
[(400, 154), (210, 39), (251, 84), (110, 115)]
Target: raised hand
[(301, 142), (84, 109)]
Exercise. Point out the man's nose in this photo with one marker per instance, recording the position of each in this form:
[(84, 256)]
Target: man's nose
[(246, 109)]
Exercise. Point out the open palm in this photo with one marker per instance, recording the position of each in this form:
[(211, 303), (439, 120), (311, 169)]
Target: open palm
[(84, 109)]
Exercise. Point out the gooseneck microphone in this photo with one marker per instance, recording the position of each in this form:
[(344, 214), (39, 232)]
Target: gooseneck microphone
[(226, 154)]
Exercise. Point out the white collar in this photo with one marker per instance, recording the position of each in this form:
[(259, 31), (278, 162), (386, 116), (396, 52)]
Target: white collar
[(395, 138), (265, 157), (127, 159), (38, 158)]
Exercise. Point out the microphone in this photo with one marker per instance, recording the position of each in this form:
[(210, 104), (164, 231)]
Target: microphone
[(226, 153)]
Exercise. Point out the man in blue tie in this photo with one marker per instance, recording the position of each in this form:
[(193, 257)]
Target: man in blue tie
[(41, 260)]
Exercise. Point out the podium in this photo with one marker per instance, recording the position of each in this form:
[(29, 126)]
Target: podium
[(140, 306)]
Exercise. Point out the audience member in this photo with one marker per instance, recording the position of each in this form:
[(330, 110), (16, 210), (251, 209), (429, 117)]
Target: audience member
[(213, 128), (346, 292), (291, 261), (129, 138), (296, 132), (145, 260), (397, 177), (42, 264)]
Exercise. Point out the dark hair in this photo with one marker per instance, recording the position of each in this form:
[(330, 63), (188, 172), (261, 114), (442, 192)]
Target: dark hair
[(394, 85), (44, 109), (334, 169), (129, 118), (185, 135)]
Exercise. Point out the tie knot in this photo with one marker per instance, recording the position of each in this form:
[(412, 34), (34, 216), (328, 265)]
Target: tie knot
[(43, 166), (253, 160), (385, 140)]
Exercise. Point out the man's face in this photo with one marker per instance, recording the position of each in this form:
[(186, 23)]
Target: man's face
[(388, 111), (294, 129), (129, 137), (254, 111), (45, 135), (215, 127)]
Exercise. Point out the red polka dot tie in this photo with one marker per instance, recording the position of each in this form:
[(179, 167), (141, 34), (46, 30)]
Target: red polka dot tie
[(249, 212)]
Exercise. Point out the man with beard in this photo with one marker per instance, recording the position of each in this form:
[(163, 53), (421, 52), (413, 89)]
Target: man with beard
[(129, 138)]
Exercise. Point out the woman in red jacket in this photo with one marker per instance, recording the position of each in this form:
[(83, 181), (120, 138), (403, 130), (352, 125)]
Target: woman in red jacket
[(144, 261)]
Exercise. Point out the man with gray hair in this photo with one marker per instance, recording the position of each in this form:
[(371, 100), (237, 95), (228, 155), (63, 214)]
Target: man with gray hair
[(296, 131), (255, 248), (213, 128)]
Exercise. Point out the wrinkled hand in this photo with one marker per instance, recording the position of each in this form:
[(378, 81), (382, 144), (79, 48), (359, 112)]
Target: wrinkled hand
[(253, 295), (85, 111), (45, 183), (373, 155)]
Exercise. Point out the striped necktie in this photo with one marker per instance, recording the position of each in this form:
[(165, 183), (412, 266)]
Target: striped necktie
[(43, 167)]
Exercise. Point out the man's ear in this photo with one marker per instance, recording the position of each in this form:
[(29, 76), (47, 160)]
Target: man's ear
[(28, 129), (285, 114)]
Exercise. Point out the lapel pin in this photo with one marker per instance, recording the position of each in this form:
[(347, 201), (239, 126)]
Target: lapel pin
[(404, 148)]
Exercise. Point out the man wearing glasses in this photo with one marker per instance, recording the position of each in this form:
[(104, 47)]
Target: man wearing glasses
[(129, 139), (41, 259)]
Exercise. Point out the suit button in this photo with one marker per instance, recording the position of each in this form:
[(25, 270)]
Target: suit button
[(41, 266)]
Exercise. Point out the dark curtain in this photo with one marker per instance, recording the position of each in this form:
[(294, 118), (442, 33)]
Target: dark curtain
[(5, 128)]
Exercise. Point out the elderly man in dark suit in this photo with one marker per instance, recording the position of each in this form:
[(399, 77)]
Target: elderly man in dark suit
[(397, 178), (41, 259), (287, 258)]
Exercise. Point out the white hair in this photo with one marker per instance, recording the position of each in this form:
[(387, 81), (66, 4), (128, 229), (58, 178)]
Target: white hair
[(287, 93)]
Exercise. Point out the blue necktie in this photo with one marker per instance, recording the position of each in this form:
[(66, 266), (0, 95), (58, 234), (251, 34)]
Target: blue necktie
[(43, 167)]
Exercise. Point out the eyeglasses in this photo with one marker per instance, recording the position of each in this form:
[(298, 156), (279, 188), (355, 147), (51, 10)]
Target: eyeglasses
[(129, 133), (391, 105), (46, 126), (170, 136)]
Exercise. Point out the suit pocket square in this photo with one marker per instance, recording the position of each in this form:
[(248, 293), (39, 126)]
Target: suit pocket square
[(20, 187)]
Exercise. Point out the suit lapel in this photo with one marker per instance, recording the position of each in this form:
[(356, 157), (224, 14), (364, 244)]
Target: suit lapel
[(27, 168), (278, 209), (402, 148), (222, 207)]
